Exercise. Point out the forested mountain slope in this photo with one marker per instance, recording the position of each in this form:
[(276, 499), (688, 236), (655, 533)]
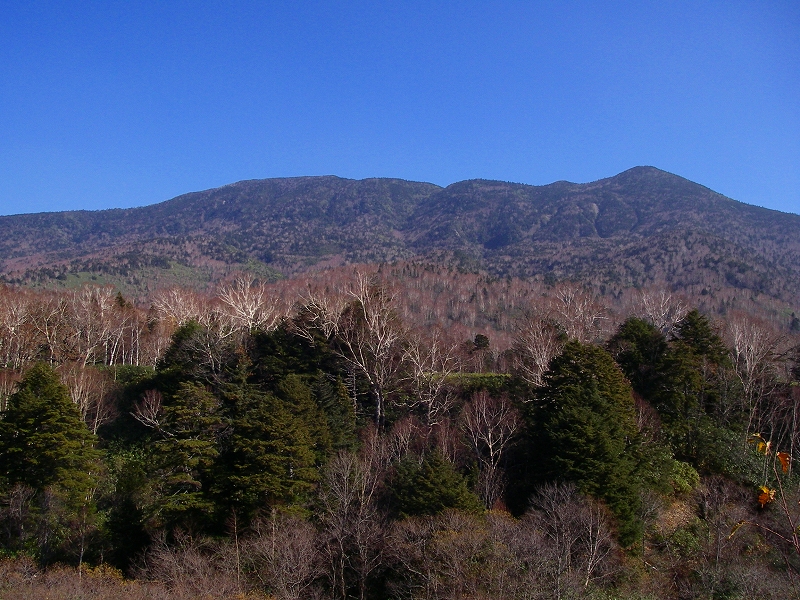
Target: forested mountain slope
[(642, 226)]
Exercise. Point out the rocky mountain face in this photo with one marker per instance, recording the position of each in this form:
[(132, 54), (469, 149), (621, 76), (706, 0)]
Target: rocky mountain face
[(640, 227)]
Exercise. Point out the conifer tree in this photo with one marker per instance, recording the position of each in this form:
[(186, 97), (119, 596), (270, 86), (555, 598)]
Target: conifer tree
[(588, 430), (267, 457), (639, 349), (46, 447), (185, 455), (430, 487)]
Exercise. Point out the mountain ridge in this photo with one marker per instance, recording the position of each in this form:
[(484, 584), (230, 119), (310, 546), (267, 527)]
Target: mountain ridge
[(641, 226)]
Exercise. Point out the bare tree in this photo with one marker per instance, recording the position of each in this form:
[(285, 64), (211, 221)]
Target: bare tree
[(282, 553), (362, 323), (247, 305), (455, 555), (191, 567), (8, 385), (148, 409), (722, 504), (353, 525), (663, 309), (320, 310), (538, 341), (569, 537), (178, 306), (400, 440), (18, 342), (581, 315), (370, 337), (489, 425), (91, 311), (90, 390), (51, 319), (430, 362), (754, 352)]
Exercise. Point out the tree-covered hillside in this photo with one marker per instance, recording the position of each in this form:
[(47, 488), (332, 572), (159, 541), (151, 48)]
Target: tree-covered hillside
[(394, 434), (641, 227)]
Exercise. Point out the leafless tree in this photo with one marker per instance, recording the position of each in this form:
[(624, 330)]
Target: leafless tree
[(353, 525), (90, 390), (91, 312), (178, 306), (401, 439), (569, 538), (417, 573), (320, 310), (282, 553), (430, 361), (581, 315), (191, 567), (15, 508), (663, 309), (51, 319), (538, 341), (148, 409), (247, 305), (721, 504), (362, 321), (754, 352), (455, 555), (18, 343), (8, 385), (489, 424)]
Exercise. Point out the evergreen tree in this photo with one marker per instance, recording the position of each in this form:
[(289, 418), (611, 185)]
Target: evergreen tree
[(588, 433), (639, 348), (684, 380), (692, 397), (276, 354), (267, 455), (298, 399), (185, 455), (335, 402), (43, 440), (46, 447), (430, 487)]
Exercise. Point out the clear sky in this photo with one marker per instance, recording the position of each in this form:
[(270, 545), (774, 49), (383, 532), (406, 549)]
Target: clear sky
[(116, 104)]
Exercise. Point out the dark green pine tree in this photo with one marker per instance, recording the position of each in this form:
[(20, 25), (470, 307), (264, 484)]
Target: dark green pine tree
[(43, 440), (46, 447), (696, 360), (588, 433), (430, 487), (267, 456), (185, 456), (336, 404), (692, 397), (640, 349), (684, 380), (297, 397)]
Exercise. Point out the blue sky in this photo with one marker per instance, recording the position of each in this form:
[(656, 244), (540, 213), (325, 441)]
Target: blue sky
[(116, 104)]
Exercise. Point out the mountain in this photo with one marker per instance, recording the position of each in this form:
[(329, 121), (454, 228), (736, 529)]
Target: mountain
[(639, 227)]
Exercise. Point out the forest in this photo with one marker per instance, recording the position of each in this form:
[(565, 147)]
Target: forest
[(405, 432)]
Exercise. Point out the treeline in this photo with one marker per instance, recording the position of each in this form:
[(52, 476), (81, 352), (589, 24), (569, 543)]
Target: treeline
[(321, 445)]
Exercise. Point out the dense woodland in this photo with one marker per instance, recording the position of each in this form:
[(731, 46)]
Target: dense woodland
[(397, 432)]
